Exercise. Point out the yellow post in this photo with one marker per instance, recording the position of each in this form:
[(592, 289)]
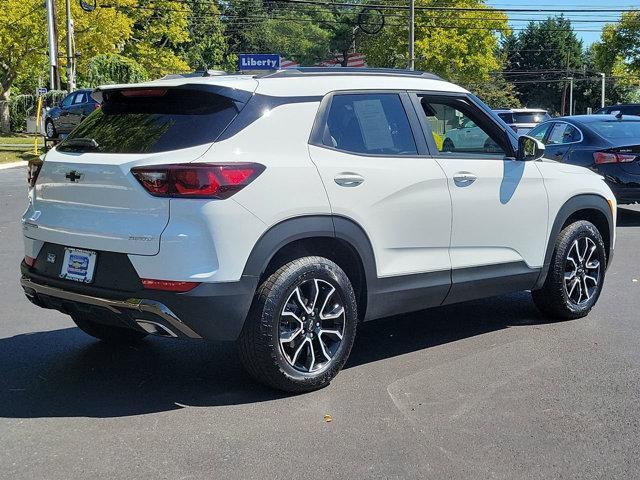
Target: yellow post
[(35, 141)]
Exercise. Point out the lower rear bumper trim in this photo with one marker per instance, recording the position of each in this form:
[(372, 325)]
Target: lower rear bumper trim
[(116, 306)]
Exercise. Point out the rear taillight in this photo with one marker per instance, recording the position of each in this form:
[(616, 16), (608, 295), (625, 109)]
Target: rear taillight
[(30, 261), (197, 180), (608, 157), (33, 170), (168, 285)]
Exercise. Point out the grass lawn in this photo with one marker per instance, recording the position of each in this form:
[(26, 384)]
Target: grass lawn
[(19, 138), (8, 156)]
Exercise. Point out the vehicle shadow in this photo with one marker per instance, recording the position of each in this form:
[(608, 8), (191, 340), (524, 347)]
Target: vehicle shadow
[(64, 373), (628, 217)]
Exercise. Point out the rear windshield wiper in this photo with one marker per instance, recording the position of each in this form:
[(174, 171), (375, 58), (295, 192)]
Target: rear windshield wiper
[(82, 143)]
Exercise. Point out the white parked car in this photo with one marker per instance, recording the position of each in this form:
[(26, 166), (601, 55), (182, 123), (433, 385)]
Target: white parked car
[(523, 120), (281, 210)]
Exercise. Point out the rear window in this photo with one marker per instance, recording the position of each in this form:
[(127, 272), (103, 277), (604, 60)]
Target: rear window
[(530, 117), (618, 129), (374, 124), (507, 117), (153, 120)]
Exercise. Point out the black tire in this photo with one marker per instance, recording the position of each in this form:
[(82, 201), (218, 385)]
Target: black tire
[(562, 296), (448, 146), (261, 351), (49, 126), (107, 333)]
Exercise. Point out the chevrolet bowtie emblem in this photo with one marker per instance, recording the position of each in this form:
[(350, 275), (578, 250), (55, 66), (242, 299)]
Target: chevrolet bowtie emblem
[(73, 176)]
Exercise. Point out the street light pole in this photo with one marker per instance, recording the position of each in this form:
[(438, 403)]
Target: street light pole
[(412, 8), (71, 71), (604, 86), (570, 95), (54, 74)]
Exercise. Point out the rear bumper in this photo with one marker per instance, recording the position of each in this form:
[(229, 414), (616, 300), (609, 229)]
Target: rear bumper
[(624, 194), (211, 311)]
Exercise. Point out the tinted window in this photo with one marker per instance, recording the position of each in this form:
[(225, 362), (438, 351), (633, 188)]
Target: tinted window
[(67, 100), (507, 117), (458, 133), (540, 131), (563, 133), (618, 129), (369, 124), (170, 119), (530, 117)]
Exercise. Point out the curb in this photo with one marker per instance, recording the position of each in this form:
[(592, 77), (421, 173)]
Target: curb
[(5, 166)]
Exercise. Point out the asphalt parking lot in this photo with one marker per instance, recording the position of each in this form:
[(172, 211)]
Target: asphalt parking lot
[(485, 389)]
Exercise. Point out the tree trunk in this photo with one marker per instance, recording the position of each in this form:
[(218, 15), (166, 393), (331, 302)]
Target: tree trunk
[(5, 123)]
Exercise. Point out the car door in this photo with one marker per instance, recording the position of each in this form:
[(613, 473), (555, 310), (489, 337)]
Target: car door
[(76, 110), (560, 139), (371, 156), (63, 123), (499, 205)]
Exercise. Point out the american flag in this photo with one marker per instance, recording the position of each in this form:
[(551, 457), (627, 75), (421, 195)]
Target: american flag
[(354, 60)]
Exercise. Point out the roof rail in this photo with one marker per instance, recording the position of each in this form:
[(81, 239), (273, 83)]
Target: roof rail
[(311, 71)]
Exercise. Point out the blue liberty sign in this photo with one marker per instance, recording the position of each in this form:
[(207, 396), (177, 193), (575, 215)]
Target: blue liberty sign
[(258, 61)]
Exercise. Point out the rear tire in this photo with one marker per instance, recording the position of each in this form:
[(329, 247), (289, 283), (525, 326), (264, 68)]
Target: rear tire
[(107, 333), (301, 327), (576, 273)]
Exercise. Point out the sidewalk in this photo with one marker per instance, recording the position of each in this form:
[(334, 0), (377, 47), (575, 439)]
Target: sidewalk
[(4, 166)]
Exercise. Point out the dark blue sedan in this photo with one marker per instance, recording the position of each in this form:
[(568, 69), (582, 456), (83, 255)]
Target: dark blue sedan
[(607, 144)]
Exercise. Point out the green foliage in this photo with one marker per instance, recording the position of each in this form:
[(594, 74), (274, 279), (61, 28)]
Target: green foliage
[(446, 43), (497, 93), (550, 46), (112, 68)]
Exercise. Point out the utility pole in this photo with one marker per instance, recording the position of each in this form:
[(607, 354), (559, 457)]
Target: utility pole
[(412, 24), (604, 86), (570, 95), (54, 73), (71, 59)]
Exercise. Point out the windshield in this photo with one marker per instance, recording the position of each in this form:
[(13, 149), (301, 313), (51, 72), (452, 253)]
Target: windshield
[(530, 117), (618, 129), (153, 120)]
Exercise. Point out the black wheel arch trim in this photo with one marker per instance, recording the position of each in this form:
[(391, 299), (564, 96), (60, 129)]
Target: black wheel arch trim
[(571, 206)]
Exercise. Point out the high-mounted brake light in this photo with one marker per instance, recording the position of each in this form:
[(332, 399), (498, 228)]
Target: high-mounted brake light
[(144, 92), (608, 157), (197, 180), (169, 285)]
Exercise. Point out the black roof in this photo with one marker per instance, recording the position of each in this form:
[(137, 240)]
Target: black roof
[(304, 71)]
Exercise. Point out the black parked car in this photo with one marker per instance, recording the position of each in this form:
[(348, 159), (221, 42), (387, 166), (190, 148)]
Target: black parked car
[(64, 117), (624, 109), (607, 144)]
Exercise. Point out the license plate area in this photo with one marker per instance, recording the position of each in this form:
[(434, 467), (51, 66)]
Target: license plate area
[(78, 265)]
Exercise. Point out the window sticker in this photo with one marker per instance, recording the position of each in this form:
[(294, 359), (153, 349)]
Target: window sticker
[(373, 124)]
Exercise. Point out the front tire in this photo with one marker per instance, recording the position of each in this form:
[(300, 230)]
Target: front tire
[(576, 274), (301, 326), (107, 333)]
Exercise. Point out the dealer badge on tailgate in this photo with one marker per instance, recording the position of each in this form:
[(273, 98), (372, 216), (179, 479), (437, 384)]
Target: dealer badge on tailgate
[(78, 265)]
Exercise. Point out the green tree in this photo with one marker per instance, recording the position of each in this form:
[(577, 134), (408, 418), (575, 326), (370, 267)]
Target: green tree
[(21, 47), (447, 42), (112, 68), (548, 50)]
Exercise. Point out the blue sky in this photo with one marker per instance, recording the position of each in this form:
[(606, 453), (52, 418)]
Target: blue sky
[(588, 20)]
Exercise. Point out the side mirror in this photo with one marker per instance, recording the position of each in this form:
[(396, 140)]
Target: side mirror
[(529, 149)]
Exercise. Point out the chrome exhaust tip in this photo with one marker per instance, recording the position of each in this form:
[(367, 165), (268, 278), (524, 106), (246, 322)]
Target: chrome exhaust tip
[(155, 328)]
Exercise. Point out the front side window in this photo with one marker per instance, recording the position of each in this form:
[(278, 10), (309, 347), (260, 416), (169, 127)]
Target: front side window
[(67, 100), (540, 131), (458, 130), (370, 124)]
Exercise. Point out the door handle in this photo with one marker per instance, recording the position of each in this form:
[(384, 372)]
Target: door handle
[(348, 179), (464, 179)]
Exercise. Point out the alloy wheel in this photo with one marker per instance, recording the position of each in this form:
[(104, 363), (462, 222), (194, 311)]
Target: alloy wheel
[(582, 271), (311, 325)]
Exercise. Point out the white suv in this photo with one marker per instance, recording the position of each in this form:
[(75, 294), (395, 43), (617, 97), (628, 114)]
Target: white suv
[(281, 210)]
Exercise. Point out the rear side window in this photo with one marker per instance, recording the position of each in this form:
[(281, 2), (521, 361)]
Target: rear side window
[(81, 97), (370, 124), (153, 120), (563, 133)]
